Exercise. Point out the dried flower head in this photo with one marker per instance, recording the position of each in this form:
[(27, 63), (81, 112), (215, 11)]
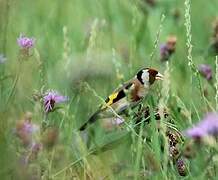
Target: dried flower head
[(206, 71), (51, 98), (173, 152), (25, 130), (181, 167), (36, 147), (2, 59), (34, 151), (214, 39), (215, 27), (152, 3), (173, 138), (50, 137), (144, 114), (25, 42), (171, 44), (207, 127), (189, 151), (176, 14)]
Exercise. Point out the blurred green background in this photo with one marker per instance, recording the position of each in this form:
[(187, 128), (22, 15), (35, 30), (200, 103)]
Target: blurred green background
[(81, 41)]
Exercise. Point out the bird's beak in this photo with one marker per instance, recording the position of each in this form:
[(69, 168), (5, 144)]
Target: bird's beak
[(159, 76)]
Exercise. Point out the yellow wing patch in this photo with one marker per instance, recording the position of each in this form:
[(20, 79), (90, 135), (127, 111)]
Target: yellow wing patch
[(110, 99)]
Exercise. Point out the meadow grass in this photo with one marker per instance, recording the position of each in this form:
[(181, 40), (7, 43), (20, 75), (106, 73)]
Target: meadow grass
[(84, 49)]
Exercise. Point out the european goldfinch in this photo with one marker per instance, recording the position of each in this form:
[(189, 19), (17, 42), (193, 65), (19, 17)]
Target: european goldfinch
[(127, 96)]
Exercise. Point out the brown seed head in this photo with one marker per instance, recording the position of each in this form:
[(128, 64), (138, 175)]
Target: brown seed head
[(171, 44)]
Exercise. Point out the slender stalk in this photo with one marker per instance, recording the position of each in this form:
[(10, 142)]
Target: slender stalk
[(216, 84), (157, 37), (138, 153), (70, 165), (189, 45), (10, 96)]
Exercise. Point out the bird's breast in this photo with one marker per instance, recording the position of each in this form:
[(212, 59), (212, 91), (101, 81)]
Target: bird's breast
[(138, 92), (142, 92)]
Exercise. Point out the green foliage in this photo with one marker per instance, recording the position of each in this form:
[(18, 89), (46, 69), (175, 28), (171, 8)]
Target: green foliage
[(104, 43)]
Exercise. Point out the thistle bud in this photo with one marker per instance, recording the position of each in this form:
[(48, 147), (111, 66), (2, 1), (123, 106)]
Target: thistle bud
[(168, 48), (50, 137)]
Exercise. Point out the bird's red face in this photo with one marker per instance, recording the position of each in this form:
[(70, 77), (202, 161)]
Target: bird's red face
[(148, 76)]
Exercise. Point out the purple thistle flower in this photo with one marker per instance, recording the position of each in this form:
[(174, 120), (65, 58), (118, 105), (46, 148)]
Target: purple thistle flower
[(25, 130), (164, 50), (205, 70), (207, 127), (26, 127), (25, 42), (2, 59), (168, 48), (196, 132), (51, 98), (29, 127)]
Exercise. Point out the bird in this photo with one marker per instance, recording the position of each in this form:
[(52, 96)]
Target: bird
[(129, 95)]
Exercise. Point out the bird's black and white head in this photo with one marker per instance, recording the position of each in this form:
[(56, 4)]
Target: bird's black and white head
[(147, 76)]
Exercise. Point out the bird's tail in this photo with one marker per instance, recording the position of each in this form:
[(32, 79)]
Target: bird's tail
[(91, 120)]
